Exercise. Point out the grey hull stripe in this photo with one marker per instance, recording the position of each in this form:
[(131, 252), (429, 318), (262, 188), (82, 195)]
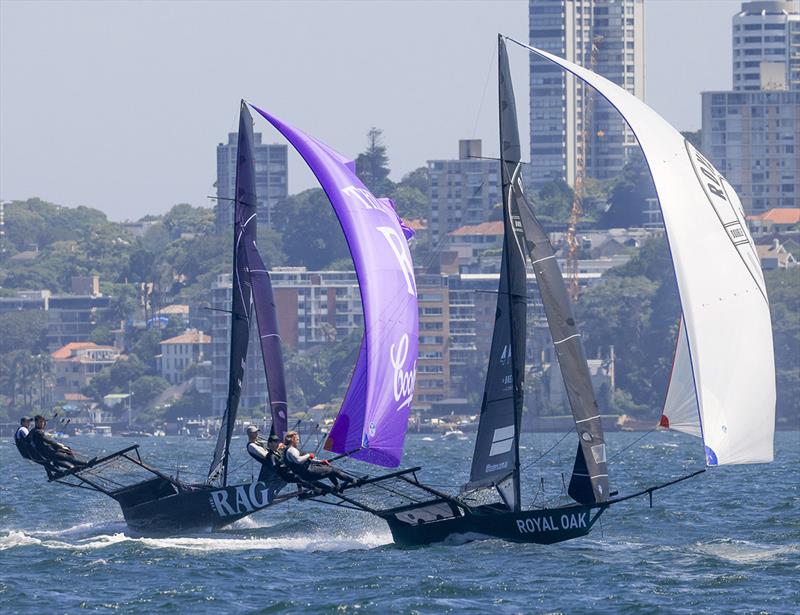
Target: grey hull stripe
[(539, 260), (591, 418), (567, 338)]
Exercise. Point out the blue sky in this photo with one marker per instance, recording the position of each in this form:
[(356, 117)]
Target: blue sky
[(119, 105)]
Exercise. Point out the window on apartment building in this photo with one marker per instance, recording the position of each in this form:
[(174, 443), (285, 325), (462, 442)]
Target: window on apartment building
[(749, 27)]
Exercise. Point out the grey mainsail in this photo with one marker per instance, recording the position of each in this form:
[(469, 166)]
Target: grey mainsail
[(495, 461), (241, 302), (589, 482), (270, 339)]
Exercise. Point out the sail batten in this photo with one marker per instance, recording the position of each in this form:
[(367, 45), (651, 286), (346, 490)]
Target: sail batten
[(373, 418), (720, 283)]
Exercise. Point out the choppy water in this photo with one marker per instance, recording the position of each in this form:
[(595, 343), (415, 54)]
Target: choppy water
[(727, 541)]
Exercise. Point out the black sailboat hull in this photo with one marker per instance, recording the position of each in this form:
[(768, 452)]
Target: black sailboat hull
[(541, 526), (150, 507)]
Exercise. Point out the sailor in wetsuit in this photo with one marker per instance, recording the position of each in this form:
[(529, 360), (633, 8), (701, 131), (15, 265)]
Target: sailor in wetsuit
[(46, 449), (270, 458), (21, 435), (307, 468)]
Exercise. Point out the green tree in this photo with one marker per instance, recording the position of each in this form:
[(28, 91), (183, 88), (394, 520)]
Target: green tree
[(312, 235), (23, 330), (146, 388), (553, 202), (410, 195), (618, 313), (183, 218), (372, 165), (783, 288)]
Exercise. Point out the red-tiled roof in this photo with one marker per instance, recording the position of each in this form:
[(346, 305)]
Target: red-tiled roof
[(76, 397), (65, 352), (486, 228), (189, 337), (779, 215), (417, 224)]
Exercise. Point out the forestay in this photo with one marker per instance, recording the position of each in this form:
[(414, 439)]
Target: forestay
[(374, 415), (722, 291)]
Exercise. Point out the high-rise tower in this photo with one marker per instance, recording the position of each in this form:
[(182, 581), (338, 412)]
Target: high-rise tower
[(766, 46), (271, 180), (606, 36)]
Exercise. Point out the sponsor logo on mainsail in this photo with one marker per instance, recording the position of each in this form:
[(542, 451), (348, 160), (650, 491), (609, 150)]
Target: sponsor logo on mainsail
[(402, 381), (241, 499), (505, 355), (502, 440)]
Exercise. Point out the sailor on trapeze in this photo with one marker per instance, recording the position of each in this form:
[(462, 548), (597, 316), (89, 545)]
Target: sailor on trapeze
[(271, 458), (49, 452), (307, 468)]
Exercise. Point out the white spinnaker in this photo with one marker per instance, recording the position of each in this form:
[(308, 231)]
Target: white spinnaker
[(722, 291), (680, 407)]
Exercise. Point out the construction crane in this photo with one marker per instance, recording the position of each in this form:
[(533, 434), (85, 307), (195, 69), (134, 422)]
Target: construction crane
[(573, 245)]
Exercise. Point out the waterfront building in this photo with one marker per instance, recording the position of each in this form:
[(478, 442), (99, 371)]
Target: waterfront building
[(181, 352), (752, 133), (779, 220), (272, 179), (463, 191), (254, 383), (76, 363), (766, 46), (606, 36), (433, 365)]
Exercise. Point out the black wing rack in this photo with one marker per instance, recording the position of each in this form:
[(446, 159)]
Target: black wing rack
[(112, 474)]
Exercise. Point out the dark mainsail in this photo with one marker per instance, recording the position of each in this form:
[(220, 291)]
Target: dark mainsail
[(496, 457), (589, 482), (241, 303), (267, 320)]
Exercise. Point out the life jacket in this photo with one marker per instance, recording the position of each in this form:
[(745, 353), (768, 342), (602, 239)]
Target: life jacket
[(23, 446)]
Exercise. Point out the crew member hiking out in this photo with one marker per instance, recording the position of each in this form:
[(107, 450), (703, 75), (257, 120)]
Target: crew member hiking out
[(21, 435), (308, 468), (56, 454), (270, 458)]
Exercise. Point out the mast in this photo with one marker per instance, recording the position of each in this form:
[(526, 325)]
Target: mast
[(495, 460), (241, 301), (589, 482)]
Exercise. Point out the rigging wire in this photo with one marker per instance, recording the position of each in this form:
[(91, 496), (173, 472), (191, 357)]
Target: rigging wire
[(642, 437), (540, 457), (483, 96)]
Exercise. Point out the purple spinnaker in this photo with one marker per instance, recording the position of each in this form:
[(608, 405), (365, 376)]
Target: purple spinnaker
[(374, 414)]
